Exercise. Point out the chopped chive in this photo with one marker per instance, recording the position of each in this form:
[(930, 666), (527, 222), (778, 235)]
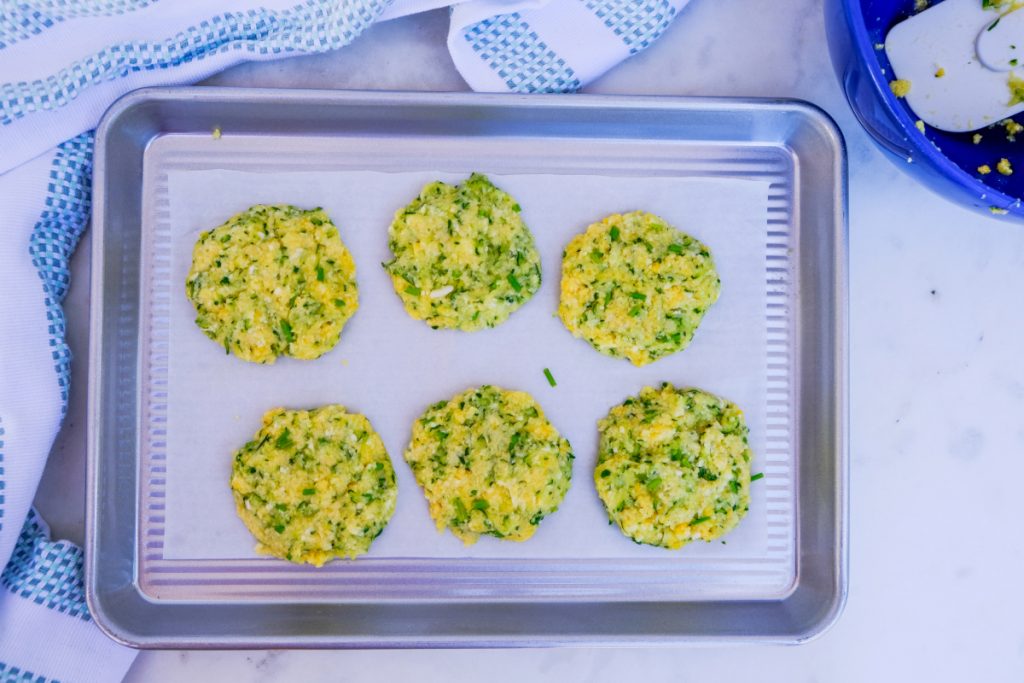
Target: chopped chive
[(480, 504), (653, 483), (320, 273), (639, 296), (734, 486), (605, 474), (413, 290), (339, 303), (517, 208), (279, 528), (755, 477), (551, 378), (596, 256), (308, 492), (706, 474), (635, 311), (514, 282), (994, 24), (698, 520), (614, 233), (286, 331), (675, 249), (285, 439)]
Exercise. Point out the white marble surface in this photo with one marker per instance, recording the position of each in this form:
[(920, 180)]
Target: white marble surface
[(937, 404)]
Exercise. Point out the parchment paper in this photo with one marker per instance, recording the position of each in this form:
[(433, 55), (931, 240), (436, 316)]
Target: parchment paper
[(391, 367)]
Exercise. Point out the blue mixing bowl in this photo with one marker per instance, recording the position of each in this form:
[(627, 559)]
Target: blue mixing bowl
[(945, 162)]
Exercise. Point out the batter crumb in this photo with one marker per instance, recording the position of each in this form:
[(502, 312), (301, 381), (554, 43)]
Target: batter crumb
[(1012, 128), (900, 87)]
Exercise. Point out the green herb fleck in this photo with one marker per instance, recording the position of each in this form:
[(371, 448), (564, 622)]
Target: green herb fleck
[(320, 273), (480, 504), (706, 474), (698, 520), (639, 296), (286, 331), (308, 492), (755, 477), (412, 290), (514, 282), (675, 249), (285, 439), (993, 24), (605, 474), (596, 256), (279, 528), (653, 483), (550, 377), (614, 233)]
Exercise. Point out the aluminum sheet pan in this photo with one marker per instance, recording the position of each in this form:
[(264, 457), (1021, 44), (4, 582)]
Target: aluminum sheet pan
[(158, 577)]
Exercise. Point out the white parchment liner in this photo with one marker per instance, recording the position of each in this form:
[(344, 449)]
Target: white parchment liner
[(391, 367)]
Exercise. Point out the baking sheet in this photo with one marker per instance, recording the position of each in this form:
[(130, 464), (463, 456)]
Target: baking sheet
[(391, 367)]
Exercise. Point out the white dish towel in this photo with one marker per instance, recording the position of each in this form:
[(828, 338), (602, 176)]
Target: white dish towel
[(61, 65)]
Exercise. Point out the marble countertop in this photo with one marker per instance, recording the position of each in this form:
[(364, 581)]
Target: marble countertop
[(937, 395)]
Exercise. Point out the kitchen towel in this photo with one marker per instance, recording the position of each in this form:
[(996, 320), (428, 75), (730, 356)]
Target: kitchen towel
[(61, 65)]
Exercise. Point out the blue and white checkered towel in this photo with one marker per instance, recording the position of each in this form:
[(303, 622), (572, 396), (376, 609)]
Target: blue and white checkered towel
[(62, 63)]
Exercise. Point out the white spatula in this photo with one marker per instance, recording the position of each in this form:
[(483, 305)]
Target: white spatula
[(960, 57)]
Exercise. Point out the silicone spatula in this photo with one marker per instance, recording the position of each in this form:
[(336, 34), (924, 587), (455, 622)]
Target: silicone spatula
[(961, 58)]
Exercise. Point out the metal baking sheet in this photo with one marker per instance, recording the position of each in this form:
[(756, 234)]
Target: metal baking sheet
[(160, 176)]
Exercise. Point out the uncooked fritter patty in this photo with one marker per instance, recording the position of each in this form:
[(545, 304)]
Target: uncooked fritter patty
[(490, 463), (273, 281), (463, 258), (314, 485), (635, 287), (673, 465)]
